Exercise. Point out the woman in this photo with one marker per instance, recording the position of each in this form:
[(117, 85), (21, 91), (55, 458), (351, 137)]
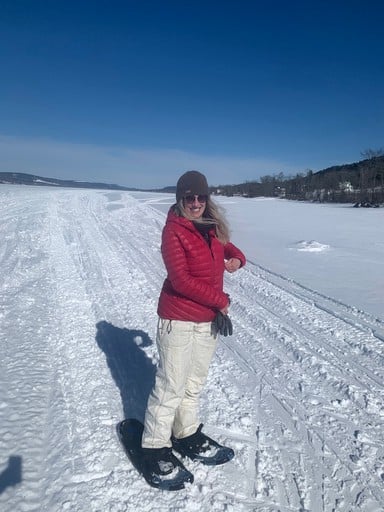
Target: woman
[(196, 251)]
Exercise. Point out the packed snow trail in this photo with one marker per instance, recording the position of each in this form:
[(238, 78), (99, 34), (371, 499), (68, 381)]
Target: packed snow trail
[(297, 391)]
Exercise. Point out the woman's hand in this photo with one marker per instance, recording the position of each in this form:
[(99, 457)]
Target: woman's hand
[(224, 311), (232, 265)]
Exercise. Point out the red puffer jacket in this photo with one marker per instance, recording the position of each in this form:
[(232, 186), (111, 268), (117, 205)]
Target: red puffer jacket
[(193, 289)]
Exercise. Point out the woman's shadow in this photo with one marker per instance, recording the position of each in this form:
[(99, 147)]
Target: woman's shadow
[(133, 371)]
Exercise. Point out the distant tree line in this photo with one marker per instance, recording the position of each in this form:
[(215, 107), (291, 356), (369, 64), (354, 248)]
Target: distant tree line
[(361, 183)]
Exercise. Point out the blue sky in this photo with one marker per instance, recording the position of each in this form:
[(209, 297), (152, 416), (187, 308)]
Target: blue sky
[(136, 92)]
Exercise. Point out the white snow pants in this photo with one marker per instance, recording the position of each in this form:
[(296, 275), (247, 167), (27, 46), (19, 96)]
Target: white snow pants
[(185, 352)]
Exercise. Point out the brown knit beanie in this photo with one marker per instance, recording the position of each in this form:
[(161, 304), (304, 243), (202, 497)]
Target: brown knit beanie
[(190, 184)]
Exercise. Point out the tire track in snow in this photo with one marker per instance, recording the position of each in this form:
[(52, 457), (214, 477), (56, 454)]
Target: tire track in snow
[(27, 307), (112, 255), (349, 314), (280, 370), (81, 413)]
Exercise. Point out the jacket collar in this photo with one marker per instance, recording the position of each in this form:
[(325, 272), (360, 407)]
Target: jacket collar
[(188, 224)]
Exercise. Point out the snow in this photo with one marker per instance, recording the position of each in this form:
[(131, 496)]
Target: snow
[(46, 182), (297, 391), (310, 246)]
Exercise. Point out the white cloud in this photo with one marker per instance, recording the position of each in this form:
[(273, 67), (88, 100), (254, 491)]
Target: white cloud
[(141, 168)]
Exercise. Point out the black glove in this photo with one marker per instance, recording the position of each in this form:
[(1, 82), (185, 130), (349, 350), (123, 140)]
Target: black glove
[(222, 324)]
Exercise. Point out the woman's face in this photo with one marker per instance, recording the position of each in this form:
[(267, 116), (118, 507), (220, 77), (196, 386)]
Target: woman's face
[(195, 205)]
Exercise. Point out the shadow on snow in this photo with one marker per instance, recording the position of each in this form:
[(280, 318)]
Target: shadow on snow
[(132, 370), (12, 474)]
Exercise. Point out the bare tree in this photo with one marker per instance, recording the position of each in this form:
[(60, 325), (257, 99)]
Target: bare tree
[(370, 153)]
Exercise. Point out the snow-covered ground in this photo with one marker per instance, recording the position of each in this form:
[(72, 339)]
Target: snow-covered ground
[(297, 391)]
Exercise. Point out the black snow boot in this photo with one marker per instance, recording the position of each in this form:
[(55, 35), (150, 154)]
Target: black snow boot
[(162, 469), (199, 446), (159, 461)]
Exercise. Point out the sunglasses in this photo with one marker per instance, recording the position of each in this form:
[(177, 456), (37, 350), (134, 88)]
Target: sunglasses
[(200, 198)]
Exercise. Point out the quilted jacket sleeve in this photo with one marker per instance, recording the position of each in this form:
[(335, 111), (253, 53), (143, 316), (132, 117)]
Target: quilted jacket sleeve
[(181, 278), (231, 251)]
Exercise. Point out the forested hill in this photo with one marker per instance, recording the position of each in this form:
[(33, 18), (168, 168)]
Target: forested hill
[(376, 163), (362, 181)]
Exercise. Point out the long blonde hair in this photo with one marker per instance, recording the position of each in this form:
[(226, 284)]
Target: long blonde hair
[(213, 214)]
